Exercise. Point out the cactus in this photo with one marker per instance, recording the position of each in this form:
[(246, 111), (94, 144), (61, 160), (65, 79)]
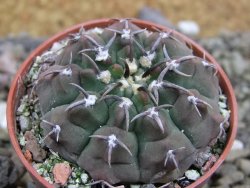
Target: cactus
[(128, 105)]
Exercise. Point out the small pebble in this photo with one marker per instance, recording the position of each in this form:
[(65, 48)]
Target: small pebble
[(188, 27), (236, 154), (24, 123), (209, 163), (61, 172), (244, 165), (84, 178), (226, 168), (192, 174), (222, 105), (231, 178), (32, 145), (237, 145), (76, 186), (3, 122)]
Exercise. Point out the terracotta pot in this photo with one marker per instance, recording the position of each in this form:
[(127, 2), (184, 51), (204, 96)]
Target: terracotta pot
[(16, 92)]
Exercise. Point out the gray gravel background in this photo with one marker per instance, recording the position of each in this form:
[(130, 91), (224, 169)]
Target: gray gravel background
[(231, 50)]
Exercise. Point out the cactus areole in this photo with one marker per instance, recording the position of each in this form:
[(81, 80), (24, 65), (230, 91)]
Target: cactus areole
[(128, 104)]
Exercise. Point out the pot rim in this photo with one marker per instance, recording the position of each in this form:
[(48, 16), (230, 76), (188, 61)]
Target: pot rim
[(198, 51)]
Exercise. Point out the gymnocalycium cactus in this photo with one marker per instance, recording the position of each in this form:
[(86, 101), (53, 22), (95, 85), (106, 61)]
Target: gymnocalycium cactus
[(126, 104)]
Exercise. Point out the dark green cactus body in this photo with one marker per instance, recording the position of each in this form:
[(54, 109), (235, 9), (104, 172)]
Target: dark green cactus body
[(129, 105)]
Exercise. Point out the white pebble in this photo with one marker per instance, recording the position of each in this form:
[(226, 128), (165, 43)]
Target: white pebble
[(222, 105), (3, 122), (84, 178), (72, 186), (24, 123), (237, 145), (192, 175), (188, 27)]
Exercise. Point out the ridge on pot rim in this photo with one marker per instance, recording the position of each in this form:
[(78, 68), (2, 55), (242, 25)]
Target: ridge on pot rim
[(16, 89)]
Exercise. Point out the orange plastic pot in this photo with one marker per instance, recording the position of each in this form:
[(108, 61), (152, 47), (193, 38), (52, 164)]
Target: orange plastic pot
[(16, 92)]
